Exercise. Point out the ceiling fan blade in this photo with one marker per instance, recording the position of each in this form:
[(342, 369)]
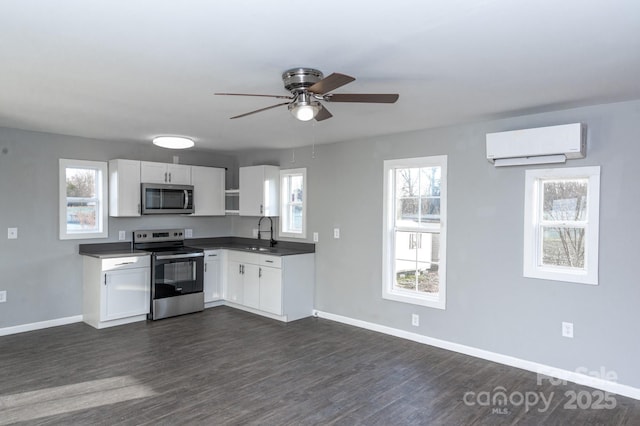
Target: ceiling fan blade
[(323, 114), (330, 83), (259, 110), (249, 94), (377, 98)]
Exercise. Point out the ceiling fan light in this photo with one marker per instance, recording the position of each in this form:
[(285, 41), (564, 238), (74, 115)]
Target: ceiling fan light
[(173, 142), (304, 111)]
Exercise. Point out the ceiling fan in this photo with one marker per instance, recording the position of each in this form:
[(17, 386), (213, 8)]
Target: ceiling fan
[(308, 86)]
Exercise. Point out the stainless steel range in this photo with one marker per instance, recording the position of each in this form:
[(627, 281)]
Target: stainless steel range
[(176, 272)]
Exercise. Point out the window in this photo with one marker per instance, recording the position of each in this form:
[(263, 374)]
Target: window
[(414, 238), (83, 206), (293, 203), (561, 224)]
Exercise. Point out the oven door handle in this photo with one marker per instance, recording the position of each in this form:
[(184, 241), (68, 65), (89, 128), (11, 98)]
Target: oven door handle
[(178, 256), (186, 198)]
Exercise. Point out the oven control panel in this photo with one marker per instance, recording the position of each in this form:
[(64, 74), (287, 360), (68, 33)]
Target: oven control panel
[(158, 236)]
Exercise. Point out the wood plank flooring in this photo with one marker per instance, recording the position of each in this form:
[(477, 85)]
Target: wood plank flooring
[(228, 367)]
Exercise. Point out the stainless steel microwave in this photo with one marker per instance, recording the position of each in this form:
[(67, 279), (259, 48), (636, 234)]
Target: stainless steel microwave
[(158, 198)]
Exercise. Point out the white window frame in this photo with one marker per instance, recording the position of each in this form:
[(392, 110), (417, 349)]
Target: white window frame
[(102, 196), (532, 258), (388, 237), (286, 175)]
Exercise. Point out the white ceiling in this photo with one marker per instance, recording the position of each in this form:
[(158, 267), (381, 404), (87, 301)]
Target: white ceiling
[(131, 70)]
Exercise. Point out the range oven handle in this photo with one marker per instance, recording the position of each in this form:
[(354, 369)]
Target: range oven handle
[(179, 256)]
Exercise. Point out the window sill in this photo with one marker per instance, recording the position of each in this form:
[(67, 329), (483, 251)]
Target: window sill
[(415, 299)]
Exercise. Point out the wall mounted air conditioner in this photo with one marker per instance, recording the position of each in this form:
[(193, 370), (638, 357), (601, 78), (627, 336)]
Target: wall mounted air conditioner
[(553, 144)]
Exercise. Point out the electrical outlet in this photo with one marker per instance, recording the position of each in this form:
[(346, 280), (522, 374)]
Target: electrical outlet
[(315, 237), (415, 320), (122, 235), (254, 232), (3, 296), (12, 233), (567, 329), (336, 233), (188, 233)]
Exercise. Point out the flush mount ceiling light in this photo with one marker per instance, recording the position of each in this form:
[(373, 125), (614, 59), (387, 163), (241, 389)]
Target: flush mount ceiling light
[(173, 142), (303, 108)]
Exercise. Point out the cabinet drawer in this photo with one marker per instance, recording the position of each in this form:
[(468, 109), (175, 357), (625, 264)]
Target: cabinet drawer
[(212, 254), (272, 261), (117, 263), (243, 257)]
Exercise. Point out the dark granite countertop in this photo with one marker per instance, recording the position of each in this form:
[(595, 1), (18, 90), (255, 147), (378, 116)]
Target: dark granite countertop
[(124, 249), (109, 250), (282, 248)]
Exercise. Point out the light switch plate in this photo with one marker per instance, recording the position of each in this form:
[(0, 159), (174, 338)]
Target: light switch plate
[(336, 233), (3, 296), (567, 329), (254, 232), (12, 233), (122, 235), (315, 237), (188, 233)]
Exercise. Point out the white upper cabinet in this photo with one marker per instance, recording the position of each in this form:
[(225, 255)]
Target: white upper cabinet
[(259, 191), (124, 188), (177, 174), (208, 191)]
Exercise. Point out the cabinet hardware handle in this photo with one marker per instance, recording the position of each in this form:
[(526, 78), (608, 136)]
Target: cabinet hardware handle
[(105, 279), (269, 261), (259, 272), (169, 177), (205, 267), (261, 209), (138, 207), (165, 177), (123, 263), (212, 255)]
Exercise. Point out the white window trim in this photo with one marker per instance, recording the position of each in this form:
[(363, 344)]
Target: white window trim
[(283, 203), (103, 218), (388, 236), (532, 267)]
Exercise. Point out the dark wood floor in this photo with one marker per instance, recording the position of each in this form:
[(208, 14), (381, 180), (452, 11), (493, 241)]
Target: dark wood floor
[(224, 366)]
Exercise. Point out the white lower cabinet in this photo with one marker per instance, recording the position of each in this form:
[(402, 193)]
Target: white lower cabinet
[(234, 283), (116, 290), (271, 290), (280, 287), (212, 280)]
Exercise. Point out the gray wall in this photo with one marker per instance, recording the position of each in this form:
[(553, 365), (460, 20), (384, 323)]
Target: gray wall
[(490, 305), (42, 274)]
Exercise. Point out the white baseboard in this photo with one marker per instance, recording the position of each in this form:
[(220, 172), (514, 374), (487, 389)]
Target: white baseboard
[(570, 376), (39, 325)]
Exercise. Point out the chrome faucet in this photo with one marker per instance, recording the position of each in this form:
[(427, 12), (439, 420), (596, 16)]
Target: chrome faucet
[(272, 242)]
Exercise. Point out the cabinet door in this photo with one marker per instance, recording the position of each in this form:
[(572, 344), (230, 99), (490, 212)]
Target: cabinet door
[(271, 290), (153, 172), (179, 174), (124, 188), (212, 276), (235, 289), (208, 190), (251, 191), (252, 285), (125, 293)]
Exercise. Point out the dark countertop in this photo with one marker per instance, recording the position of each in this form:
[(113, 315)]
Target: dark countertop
[(251, 245), (109, 250), (282, 248)]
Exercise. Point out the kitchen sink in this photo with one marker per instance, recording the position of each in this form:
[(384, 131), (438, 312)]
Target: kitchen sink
[(262, 249)]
